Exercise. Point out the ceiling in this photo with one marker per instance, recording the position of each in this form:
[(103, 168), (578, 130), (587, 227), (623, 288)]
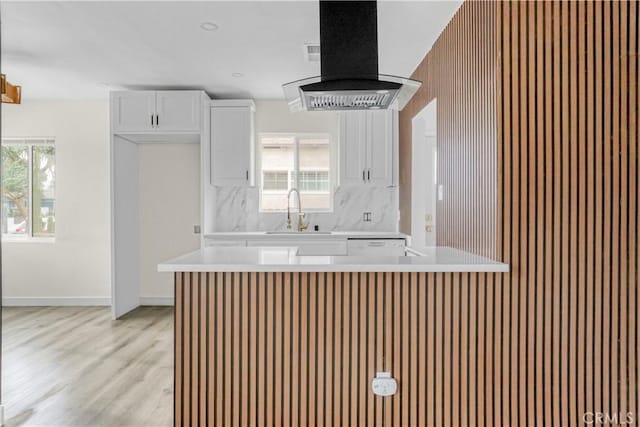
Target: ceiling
[(82, 50)]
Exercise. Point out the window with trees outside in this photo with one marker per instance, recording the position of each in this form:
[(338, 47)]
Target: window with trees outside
[(28, 188), (301, 161)]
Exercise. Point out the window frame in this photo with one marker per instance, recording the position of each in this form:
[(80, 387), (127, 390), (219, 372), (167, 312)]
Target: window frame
[(297, 136), (28, 142)]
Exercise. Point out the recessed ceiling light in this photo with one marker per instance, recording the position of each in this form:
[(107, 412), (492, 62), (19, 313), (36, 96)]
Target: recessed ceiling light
[(237, 75), (208, 26)]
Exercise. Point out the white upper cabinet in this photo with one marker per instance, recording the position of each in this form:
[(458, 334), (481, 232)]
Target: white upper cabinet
[(366, 148), (133, 111), (379, 147), (232, 143), (353, 153), (156, 111), (178, 110)]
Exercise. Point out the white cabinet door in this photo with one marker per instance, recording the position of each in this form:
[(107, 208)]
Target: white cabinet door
[(212, 243), (232, 146), (353, 148), (379, 147), (133, 111), (178, 110), (306, 247)]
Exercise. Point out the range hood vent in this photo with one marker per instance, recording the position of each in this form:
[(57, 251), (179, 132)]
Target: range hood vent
[(349, 77)]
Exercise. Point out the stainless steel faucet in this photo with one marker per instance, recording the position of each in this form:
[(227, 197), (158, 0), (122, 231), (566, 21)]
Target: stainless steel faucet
[(301, 224)]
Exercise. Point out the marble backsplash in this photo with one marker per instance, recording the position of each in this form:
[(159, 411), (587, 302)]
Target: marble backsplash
[(237, 210)]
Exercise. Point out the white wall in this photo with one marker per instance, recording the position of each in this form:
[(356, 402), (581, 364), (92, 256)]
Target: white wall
[(76, 266), (169, 207), (274, 116), (77, 263)]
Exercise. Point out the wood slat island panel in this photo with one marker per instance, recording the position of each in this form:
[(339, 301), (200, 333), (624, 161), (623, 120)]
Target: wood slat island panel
[(301, 348)]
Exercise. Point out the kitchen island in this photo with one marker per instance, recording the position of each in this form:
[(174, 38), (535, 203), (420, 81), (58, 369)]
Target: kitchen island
[(264, 336)]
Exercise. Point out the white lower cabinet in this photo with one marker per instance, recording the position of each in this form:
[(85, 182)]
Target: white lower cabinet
[(320, 246), (306, 247), (376, 247), (212, 243)]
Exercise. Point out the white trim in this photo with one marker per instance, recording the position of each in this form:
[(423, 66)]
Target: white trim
[(156, 301), (28, 140), (55, 301), (16, 238)]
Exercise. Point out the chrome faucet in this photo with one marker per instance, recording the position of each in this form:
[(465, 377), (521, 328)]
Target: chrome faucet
[(301, 224)]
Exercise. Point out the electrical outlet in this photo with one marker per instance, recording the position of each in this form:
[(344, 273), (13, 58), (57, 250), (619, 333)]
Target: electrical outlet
[(366, 216), (196, 229)]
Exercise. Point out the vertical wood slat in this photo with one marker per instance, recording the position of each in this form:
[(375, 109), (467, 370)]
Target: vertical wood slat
[(278, 365), (568, 186), (371, 347), (203, 357), (186, 351), (218, 286), (634, 222), (253, 349), (338, 345), (599, 155), (178, 377), (295, 349), (330, 342), (589, 230), (312, 354), (270, 349)]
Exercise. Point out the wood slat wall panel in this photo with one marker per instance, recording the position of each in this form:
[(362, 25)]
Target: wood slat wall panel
[(541, 345), (563, 324)]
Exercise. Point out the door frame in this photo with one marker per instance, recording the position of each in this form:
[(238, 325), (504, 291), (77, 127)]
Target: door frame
[(423, 178)]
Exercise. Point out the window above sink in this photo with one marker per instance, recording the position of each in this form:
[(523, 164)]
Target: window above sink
[(295, 160)]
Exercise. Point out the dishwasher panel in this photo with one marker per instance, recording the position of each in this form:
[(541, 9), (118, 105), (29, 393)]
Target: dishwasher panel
[(376, 247)]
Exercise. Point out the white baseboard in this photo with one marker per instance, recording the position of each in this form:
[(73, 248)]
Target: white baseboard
[(76, 301), (54, 301), (156, 301)]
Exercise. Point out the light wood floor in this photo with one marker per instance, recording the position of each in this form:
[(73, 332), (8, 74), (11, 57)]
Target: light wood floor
[(74, 366)]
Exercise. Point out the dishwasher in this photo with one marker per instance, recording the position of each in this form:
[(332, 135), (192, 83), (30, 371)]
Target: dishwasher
[(376, 247)]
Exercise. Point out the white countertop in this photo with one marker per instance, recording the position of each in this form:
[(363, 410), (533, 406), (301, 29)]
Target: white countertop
[(258, 235), (259, 259)]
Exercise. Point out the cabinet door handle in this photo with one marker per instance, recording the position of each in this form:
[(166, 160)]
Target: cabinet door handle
[(363, 175), (157, 120), (247, 175), (152, 121), (368, 174)]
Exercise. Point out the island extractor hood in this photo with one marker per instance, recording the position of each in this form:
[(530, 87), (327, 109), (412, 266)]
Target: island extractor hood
[(349, 78)]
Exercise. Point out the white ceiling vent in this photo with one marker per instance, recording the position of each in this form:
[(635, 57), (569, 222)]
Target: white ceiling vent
[(312, 52)]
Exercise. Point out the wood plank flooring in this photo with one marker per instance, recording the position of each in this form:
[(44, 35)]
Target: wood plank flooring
[(75, 366)]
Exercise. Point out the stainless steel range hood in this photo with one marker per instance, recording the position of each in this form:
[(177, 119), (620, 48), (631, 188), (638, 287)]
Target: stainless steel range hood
[(349, 77)]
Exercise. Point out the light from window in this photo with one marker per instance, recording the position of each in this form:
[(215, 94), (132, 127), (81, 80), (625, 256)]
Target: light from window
[(275, 180), (295, 161), (28, 188)]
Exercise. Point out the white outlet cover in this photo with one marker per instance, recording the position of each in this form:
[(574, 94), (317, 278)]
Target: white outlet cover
[(384, 385)]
